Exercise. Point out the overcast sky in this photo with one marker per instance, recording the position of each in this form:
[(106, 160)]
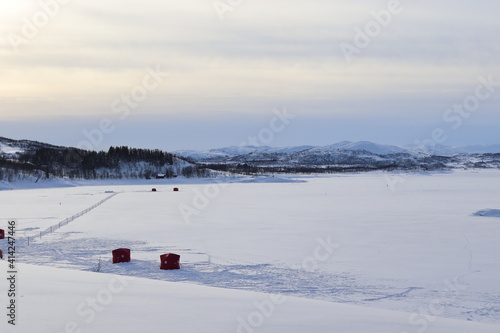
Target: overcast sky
[(197, 74)]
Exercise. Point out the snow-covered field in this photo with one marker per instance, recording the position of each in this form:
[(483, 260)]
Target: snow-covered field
[(345, 253)]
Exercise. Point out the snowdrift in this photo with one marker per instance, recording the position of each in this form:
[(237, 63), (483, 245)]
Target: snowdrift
[(488, 213)]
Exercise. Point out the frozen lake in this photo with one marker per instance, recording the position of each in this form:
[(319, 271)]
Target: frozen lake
[(405, 242)]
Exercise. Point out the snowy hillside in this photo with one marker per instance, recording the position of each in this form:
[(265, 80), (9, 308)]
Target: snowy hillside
[(6, 149), (365, 146), (371, 148), (228, 153), (12, 148), (354, 156), (23, 160), (341, 157)]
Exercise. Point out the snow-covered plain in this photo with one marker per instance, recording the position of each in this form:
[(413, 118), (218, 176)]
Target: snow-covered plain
[(368, 252)]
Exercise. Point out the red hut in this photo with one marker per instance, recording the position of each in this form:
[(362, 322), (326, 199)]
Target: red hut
[(170, 261), (153, 190), (2, 234), (176, 189), (121, 255)]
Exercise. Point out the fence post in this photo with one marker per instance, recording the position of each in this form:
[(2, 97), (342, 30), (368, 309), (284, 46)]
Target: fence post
[(72, 218)]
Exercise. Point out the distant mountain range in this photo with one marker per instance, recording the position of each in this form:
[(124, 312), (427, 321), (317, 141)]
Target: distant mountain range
[(238, 152), (343, 156), (21, 159), (230, 153)]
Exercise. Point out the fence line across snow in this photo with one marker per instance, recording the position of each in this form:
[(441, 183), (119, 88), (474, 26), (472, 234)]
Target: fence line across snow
[(72, 218)]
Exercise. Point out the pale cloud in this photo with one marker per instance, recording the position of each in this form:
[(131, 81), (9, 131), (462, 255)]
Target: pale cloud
[(263, 53)]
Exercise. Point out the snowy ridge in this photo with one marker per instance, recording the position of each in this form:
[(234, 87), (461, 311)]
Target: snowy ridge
[(14, 147), (346, 156), (9, 150), (360, 154), (371, 148), (366, 146), (217, 154), (344, 146)]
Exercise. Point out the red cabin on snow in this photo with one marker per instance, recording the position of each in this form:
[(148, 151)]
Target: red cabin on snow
[(176, 189), (121, 255), (170, 261), (2, 234), (153, 190)]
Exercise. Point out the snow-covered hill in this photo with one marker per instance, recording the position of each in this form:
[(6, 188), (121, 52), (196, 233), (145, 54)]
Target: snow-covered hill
[(12, 148), (364, 146), (229, 153), (363, 155), (234, 152), (360, 154), (367, 147), (33, 161)]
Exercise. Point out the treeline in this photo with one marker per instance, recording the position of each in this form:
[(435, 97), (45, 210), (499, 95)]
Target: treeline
[(116, 163), (11, 170), (76, 158), (256, 169)]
